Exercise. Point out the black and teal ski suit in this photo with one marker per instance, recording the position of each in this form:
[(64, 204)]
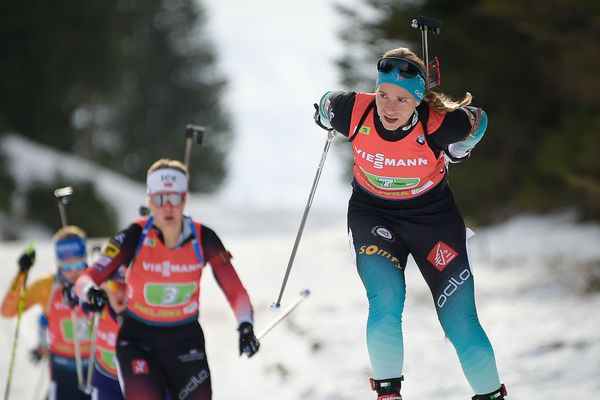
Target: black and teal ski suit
[(429, 226)]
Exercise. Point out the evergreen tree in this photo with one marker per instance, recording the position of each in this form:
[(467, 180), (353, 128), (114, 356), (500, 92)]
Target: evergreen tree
[(40, 204), (115, 81), (54, 57), (168, 79)]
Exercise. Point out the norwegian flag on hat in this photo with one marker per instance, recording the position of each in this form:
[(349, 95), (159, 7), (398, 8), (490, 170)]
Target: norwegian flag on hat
[(166, 180)]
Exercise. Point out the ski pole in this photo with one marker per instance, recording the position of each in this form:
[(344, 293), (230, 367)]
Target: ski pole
[(77, 345), (40, 380), (20, 308), (330, 136), (303, 295), (87, 389)]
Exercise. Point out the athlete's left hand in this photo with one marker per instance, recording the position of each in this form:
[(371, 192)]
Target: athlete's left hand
[(318, 121), (249, 344)]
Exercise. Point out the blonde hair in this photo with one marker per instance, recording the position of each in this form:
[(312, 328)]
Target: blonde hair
[(68, 231), (168, 163), (436, 100)]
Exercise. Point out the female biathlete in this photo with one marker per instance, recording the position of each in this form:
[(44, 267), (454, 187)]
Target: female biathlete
[(105, 380), (160, 346), (401, 204), (70, 249)]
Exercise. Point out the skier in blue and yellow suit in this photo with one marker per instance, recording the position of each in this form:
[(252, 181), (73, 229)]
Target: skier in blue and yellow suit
[(402, 136), (57, 331)]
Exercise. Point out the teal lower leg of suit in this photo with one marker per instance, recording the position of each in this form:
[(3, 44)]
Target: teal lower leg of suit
[(386, 291)]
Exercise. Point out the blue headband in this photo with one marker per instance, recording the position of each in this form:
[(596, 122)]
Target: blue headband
[(70, 248), (415, 86)]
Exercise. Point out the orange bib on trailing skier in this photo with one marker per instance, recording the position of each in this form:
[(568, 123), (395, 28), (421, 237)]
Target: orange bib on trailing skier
[(397, 170), (163, 284), (106, 340), (60, 327)]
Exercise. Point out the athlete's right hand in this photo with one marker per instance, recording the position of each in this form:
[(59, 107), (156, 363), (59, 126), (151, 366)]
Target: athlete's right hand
[(26, 260), (96, 299)]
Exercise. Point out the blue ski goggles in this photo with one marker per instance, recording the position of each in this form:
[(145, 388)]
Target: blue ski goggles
[(75, 266)]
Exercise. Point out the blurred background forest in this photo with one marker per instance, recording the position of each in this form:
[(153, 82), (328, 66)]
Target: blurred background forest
[(116, 81), (534, 66)]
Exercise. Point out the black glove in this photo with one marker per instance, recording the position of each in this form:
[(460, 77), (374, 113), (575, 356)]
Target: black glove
[(317, 118), (26, 260), (69, 296), (37, 354), (96, 299), (249, 344)]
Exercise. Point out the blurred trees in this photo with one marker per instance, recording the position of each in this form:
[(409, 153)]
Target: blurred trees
[(533, 66), (86, 209), (7, 184), (114, 81)]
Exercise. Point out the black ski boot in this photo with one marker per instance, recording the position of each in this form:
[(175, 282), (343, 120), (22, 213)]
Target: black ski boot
[(497, 394), (387, 389)]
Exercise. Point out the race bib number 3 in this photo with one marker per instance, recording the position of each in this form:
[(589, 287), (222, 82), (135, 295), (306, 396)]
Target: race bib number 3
[(158, 294)]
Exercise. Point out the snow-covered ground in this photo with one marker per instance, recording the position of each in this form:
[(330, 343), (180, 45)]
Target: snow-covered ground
[(545, 331), (531, 274)]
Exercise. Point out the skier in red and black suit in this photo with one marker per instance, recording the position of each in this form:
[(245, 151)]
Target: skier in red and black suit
[(402, 135), (160, 346)]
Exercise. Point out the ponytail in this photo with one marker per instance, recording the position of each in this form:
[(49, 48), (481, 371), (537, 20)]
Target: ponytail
[(444, 103)]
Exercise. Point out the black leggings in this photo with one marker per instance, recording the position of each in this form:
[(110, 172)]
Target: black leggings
[(63, 379), (154, 361), (431, 229)]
